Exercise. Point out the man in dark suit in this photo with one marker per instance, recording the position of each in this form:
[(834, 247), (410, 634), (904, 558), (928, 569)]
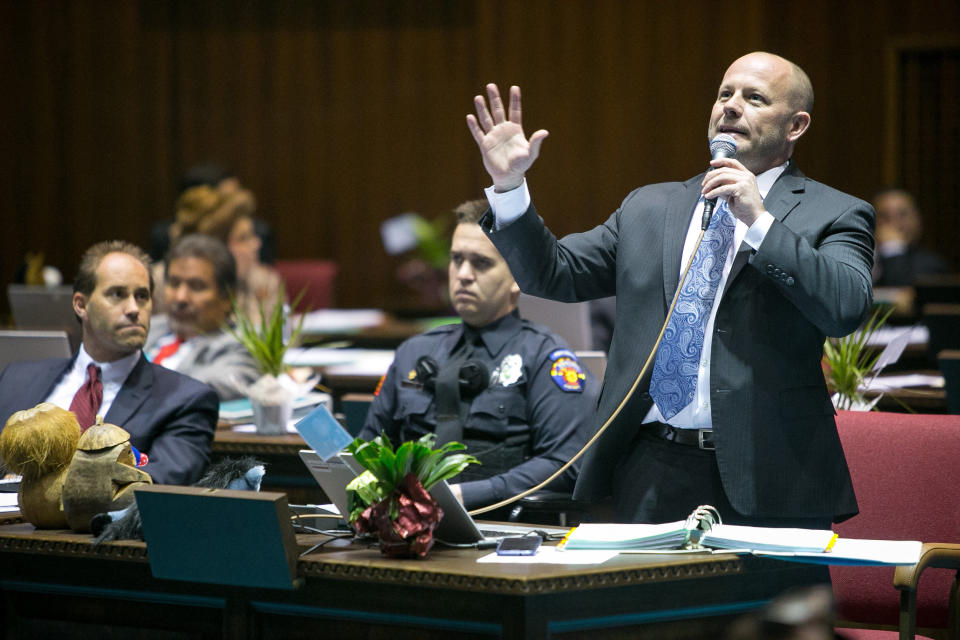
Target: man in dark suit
[(900, 258), (735, 411), (170, 417)]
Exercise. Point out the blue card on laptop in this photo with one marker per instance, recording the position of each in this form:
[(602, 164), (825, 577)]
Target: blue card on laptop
[(321, 431)]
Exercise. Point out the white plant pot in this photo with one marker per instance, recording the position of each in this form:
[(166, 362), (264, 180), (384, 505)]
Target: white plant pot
[(271, 418)]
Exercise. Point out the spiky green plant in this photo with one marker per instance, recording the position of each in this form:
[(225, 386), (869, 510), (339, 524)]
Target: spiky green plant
[(264, 340), (385, 469), (849, 360)]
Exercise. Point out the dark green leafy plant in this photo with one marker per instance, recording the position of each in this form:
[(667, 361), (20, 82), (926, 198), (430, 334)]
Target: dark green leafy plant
[(386, 468), (849, 360), (265, 340)]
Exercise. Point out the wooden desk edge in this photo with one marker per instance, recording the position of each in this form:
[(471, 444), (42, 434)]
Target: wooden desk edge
[(439, 570)]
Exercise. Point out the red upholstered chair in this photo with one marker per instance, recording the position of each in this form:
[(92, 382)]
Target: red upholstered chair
[(905, 472), (316, 278)]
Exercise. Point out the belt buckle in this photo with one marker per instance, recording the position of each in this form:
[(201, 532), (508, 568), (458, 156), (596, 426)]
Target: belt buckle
[(706, 443)]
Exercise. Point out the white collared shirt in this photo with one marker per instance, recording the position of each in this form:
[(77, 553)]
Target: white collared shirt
[(510, 205), (112, 375)]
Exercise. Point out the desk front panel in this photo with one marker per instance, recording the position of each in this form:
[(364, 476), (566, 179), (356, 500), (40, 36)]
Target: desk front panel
[(52, 581)]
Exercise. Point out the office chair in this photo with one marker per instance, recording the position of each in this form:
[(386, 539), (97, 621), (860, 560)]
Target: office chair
[(315, 278), (904, 473)]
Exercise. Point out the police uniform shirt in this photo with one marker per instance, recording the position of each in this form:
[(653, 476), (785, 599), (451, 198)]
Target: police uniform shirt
[(534, 415)]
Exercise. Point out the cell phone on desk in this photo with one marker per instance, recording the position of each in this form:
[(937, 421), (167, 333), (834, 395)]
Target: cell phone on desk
[(519, 545)]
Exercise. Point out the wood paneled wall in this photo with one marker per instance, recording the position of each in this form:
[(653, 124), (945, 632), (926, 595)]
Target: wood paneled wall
[(340, 114)]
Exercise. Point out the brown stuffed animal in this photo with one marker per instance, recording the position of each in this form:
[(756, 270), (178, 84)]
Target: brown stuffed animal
[(38, 444), (102, 476)]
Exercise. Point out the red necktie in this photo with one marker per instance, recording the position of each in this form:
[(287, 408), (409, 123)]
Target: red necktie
[(87, 401), (167, 350)]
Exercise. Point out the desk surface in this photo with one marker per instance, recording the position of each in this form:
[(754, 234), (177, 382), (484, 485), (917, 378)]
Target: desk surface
[(351, 587)]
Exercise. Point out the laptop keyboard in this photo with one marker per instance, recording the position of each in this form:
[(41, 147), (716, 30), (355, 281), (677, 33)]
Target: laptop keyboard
[(492, 533)]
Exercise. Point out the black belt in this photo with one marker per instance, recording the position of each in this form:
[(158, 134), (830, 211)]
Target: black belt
[(702, 438)]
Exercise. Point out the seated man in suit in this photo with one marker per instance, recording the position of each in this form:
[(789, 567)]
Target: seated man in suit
[(192, 337), (169, 416), (899, 257), (509, 389)]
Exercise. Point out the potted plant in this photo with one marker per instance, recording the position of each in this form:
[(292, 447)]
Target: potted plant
[(390, 498), (273, 394), (849, 361)]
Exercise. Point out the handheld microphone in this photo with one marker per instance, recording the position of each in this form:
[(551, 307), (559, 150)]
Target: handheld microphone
[(722, 146)]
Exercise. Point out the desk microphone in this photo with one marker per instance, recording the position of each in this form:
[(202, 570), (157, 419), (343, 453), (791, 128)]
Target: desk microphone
[(722, 146)]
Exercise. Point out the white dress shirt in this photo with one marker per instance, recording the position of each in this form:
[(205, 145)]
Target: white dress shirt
[(510, 205), (112, 375)]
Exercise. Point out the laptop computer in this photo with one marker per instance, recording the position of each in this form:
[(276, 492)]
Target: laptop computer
[(17, 346), (455, 528), (38, 307), (332, 475)]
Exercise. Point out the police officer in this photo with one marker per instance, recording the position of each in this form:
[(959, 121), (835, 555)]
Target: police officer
[(509, 389)]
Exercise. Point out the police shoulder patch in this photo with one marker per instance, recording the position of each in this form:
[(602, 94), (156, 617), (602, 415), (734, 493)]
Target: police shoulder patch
[(566, 371), (556, 354)]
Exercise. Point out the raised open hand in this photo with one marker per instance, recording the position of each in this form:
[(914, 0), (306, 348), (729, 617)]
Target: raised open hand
[(506, 152)]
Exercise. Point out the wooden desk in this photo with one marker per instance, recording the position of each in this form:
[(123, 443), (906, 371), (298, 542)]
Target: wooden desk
[(916, 399), (55, 583)]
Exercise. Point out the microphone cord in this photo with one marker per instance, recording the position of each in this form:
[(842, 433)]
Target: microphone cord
[(623, 403)]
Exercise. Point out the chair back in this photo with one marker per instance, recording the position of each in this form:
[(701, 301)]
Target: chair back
[(315, 278), (904, 473), (569, 320)]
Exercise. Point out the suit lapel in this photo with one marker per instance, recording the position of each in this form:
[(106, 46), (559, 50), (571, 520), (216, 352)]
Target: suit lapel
[(783, 197), (135, 389), (786, 192), (676, 223), (48, 383)]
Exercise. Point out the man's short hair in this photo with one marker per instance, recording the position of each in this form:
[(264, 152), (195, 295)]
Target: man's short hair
[(471, 211), (215, 252), (86, 280)]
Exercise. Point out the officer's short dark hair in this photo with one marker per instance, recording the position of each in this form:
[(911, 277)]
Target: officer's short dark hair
[(470, 211)]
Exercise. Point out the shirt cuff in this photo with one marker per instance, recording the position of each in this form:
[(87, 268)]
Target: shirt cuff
[(507, 206), (477, 493), (758, 230)]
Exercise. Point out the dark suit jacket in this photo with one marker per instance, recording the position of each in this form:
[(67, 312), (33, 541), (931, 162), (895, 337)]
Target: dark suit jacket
[(777, 446), (169, 416)]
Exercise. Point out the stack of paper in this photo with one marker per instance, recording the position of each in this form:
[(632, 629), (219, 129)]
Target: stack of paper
[(732, 536), (240, 411), (852, 551), (669, 535)]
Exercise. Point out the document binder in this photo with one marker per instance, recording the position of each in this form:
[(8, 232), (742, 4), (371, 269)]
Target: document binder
[(702, 529)]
